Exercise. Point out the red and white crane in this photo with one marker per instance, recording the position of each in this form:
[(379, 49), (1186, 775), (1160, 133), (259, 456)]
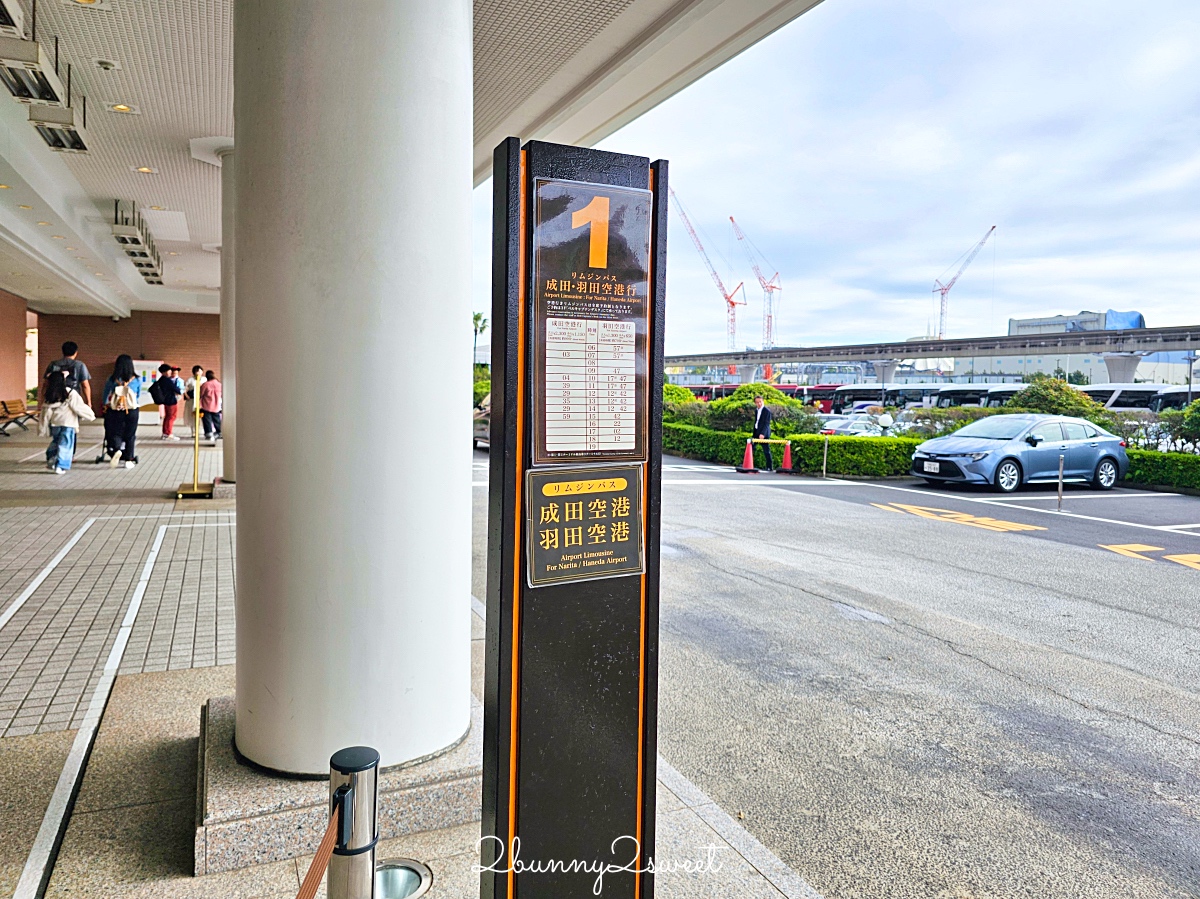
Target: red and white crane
[(770, 286), (943, 289), (726, 295)]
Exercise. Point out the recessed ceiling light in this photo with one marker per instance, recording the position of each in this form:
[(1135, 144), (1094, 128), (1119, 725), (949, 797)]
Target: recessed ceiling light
[(106, 65), (144, 170), (101, 274), (43, 223), (70, 249), (124, 108), (157, 208), (56, 236), (23, 206), (5, 187), (172, 253)]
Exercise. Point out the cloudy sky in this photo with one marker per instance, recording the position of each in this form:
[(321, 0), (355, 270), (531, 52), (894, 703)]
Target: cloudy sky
[(869, 144)]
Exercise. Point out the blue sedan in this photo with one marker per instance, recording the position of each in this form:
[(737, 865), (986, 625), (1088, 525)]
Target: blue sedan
[(1007, 451)]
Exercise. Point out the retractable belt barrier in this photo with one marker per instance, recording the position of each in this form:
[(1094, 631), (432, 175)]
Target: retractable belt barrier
[(748, 466)]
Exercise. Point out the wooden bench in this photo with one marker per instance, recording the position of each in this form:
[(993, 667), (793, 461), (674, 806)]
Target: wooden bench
[(15, 412)]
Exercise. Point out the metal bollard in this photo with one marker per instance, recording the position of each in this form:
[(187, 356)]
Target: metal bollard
[(1061, 460), (354, 785)]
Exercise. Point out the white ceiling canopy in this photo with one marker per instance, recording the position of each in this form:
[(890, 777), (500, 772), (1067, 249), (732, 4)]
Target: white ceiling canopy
[(158, 75)]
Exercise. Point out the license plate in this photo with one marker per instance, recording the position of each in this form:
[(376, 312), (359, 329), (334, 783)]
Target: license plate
[(934, 467)]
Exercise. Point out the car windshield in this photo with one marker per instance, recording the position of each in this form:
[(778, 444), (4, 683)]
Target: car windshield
[(999, 428)]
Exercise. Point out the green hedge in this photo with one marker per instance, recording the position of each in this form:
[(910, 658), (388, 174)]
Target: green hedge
[(864, 457), (1157, 469), (876, 457), (882, 457)]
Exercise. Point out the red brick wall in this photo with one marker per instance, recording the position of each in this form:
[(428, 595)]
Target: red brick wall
[(12, 346), (181, 338)]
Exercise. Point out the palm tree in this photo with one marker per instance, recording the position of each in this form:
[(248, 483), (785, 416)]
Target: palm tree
[(480, 324)]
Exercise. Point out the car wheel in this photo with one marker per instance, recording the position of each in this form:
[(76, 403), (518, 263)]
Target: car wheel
[(1106, 475), (1008, 476)]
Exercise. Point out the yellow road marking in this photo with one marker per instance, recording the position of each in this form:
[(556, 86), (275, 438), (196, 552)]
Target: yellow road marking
[(975, 521), (1191, 560), (1133, 550), (887, 508)]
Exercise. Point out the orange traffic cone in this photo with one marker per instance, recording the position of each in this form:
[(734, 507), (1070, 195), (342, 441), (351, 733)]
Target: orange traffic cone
[(787, 457), (747, 466)]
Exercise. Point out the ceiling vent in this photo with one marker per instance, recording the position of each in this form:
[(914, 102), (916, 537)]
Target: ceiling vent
[(12, 19), (130, 232), (61, 127), (27, 72)]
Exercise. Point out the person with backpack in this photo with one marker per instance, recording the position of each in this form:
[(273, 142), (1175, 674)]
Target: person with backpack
[(122, 394), (166, 392), (62, 411), (77, 374), (210, 405)]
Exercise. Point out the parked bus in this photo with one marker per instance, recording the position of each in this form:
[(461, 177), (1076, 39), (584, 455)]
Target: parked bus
[(1172, 398), (1000, 394), (912, 396), (846, 398), (1123, 397), (962, 395)]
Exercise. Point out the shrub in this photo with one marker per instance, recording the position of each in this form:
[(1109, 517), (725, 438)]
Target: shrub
[(1052, 396), (673, 393), (874, 457), (481, 390), (706, 444), (789, 416), (689, 413), (1163, 469), (940, 422), (747, 393)]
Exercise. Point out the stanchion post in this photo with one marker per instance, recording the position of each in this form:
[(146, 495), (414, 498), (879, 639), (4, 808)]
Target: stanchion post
[(196, 490), (1061, 460), (354, 786), (825, 457)]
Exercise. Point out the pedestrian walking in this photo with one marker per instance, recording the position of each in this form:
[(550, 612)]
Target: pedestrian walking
[(166, 391), (210, 406), (62, 412), (77, 374), (122, 396), (762, 430), (191, 391)]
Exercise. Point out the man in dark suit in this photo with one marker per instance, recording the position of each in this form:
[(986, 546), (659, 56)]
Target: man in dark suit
[(762, 429)]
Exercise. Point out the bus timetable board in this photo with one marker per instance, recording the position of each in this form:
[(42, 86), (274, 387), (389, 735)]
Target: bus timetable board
[(574, 501), (591, 278)]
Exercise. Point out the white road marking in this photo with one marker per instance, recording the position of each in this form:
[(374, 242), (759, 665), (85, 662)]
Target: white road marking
[(1075, 496), (37, 865), (753, 481), (1012, 505), (43, 574)]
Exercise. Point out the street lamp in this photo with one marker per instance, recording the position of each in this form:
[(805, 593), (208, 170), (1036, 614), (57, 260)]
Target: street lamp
[(1191, 358)]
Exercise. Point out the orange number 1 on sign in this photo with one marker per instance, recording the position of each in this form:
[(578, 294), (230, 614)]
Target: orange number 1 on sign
[(595, 214)]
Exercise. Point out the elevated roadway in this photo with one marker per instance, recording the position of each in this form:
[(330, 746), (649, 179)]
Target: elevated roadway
[(1140, 341)]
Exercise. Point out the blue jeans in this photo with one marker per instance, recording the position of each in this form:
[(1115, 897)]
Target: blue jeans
[(62, 447)]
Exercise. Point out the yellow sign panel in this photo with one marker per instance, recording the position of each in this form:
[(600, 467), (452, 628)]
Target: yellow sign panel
[(594, 485)]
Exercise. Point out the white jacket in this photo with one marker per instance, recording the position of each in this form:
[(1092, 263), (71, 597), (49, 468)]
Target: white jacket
[(67, 414)]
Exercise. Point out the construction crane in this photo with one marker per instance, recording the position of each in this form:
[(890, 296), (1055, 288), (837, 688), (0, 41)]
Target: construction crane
[(943, 289), (727, 296), (770, 286)]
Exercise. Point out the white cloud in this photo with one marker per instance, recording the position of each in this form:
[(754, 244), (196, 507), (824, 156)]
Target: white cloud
[(870, 143)]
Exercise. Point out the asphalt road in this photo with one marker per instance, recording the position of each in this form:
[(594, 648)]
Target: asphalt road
[(913, 692)]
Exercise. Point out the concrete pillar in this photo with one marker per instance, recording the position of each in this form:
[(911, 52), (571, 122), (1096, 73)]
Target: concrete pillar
[(1122, 367), (228, 337), (353, 167), (885, 369)]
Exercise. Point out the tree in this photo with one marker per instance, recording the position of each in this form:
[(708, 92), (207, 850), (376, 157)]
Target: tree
[(1079, 378), (1054, 397), (480, 324)]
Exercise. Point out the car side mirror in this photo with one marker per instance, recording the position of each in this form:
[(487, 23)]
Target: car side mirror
[(1034, 439)]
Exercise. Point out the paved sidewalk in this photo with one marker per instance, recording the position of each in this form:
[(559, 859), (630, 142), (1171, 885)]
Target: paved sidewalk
[(86, 552)]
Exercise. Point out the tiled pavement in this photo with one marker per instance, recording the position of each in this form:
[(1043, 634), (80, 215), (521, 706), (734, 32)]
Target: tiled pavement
[(73, 550), (54, 644)]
